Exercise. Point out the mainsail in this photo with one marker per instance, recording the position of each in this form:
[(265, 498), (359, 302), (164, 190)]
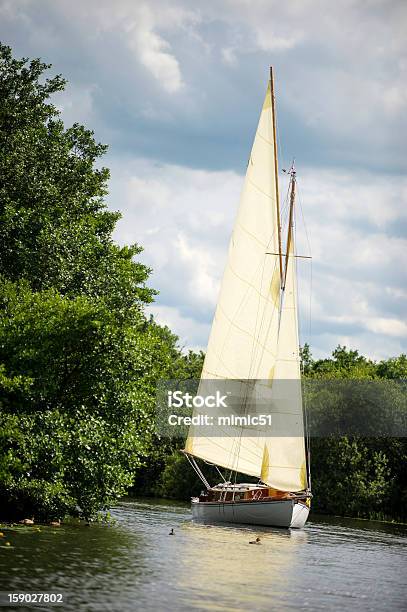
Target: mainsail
[(254, 335)]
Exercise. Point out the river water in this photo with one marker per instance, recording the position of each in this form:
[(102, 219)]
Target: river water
[(332, 564)]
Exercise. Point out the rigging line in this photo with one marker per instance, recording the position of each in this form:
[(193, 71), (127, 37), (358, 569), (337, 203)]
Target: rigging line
[(295, 263), (280, 147), (300, 325), (311, 269), (303, 400), (310, 307), (217, 468), (306, 406), (304, 395), (197, 470), (286, 207), (303, 218)]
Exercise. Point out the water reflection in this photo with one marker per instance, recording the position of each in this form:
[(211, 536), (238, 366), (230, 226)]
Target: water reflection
[(75, 560), (223, 566), (332, 564)]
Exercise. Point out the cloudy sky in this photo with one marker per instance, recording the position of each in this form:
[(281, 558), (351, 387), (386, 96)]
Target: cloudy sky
[(175, 87)]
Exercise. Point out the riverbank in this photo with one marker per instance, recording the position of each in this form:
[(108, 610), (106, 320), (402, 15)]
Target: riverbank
[(108, 518)]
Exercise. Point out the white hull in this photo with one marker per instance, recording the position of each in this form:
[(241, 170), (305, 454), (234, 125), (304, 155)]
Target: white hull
[(285, 513)]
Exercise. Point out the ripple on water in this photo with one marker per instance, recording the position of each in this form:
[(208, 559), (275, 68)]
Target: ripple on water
[(333, 564)]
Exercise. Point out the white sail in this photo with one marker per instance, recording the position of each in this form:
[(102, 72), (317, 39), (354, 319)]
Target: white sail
[(242, 344), (244, 339), (284, 464)]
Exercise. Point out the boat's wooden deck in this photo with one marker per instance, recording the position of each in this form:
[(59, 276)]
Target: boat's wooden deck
[(264, 494)]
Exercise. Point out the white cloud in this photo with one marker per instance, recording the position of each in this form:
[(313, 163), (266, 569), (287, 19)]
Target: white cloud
[(395, 99), (77, 104), (202, 268), (229, 56), (161, 79), (340, 71), (192, 334), (388, 327), (152, 50), (368, 344), (184, 218), (358, 282), (137, 23)]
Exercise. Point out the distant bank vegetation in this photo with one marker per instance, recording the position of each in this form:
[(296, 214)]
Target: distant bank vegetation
[(360, 474), (79, 357)]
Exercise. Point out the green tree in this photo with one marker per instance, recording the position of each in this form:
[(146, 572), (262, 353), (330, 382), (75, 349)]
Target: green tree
[(350, 477), (55, 229), (393, 368), (79, 360), (77, 400), (345, 363), (164, 465), (363, 473), (307, 362)]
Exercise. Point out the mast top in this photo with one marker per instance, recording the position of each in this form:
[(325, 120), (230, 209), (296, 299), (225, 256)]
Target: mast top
[(292, 172)]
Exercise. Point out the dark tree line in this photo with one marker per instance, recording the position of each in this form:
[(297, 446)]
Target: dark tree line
[(360, 474)]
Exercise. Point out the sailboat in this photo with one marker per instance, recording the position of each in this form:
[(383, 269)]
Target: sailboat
[(254, 341)]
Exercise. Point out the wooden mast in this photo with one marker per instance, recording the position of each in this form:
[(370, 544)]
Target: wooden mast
[(290, 221), (276, 174)]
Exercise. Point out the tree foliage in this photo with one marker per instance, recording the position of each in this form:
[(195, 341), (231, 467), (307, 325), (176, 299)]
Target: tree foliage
[(79, 359), (55, 229), (361, 474)]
